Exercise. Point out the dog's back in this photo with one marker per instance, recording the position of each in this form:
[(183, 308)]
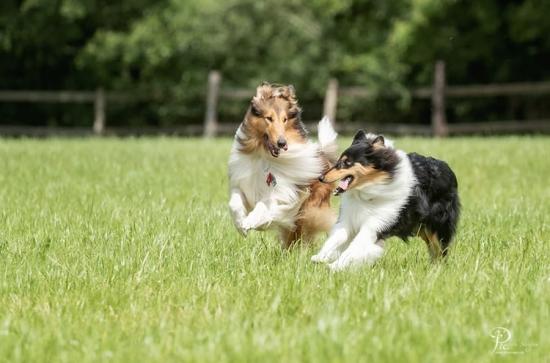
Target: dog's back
[(433, 207)]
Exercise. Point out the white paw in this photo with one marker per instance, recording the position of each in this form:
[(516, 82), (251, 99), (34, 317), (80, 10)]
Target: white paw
[(252, 222), (248, 224), (369, 256), (318, 259), (323, 257), (339, 265), (239, 225), (243, 231), (259, 218)]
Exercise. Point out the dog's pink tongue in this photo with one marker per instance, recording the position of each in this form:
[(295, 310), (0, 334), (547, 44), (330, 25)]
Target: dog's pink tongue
[(344, 183)]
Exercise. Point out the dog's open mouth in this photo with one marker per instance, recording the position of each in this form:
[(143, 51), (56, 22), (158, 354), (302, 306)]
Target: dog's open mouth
[(343, 185), (273, 150)]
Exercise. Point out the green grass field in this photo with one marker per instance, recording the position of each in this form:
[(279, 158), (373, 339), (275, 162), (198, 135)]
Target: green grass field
[(123, 251)]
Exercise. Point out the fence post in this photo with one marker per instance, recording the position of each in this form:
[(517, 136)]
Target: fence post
[(211, 117), (439, 120), (331, 100), (99, 112)]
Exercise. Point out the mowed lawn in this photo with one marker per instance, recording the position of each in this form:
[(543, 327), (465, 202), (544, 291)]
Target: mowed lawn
[(122, 250)]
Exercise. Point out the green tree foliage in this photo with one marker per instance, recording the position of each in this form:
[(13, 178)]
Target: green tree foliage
[(40, 40), (166, 48), (482, 41)]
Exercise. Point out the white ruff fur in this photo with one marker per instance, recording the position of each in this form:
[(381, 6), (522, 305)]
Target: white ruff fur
[(256, 205), (365, 212)]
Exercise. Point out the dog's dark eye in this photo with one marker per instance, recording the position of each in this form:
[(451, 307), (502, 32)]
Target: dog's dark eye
[(344, 163), (269, 119), (292, 114), (255, 111)]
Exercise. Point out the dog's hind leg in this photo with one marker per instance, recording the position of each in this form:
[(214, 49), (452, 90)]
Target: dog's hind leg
[(289, 238), (433, 242), (440, 228), (316, 219)]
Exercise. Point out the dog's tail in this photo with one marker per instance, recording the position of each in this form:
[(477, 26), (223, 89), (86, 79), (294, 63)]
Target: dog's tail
[(327, 139)]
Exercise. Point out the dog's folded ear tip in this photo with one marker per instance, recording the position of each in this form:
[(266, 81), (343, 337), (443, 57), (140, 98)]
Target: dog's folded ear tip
[(379, 140)]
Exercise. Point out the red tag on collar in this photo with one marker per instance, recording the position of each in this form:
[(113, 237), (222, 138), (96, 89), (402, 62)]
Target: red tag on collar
[(270, 179)]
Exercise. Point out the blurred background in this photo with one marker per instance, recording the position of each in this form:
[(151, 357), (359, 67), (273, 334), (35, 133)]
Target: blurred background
[(411, 66)]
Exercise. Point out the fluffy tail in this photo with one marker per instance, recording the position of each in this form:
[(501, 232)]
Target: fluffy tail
[(327, 139)]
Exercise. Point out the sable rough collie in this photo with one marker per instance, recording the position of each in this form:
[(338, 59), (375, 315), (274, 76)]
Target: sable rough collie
[(274, 169), (386, 193)]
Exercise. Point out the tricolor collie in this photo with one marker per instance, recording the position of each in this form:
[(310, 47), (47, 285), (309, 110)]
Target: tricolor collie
[(274, 169), (385, 193)]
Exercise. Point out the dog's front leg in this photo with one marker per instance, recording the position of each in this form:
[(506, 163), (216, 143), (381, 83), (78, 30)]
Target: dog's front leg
[(274, 209), (238, 210), (363, 249), (259, 218), (334, 245), (282, 210)]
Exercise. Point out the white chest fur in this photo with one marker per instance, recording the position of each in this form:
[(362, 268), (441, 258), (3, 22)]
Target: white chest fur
[(377, 207), (297, 167)]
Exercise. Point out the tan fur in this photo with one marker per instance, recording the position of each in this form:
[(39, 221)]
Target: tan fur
[(315, 216), (433, 243), (293, 136), (252, 140), (278, 106), (362, 175)]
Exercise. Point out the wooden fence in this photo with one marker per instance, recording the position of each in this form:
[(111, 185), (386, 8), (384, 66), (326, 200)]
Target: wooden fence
[(438, 93)]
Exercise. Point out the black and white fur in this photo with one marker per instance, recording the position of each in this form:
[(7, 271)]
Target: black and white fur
[(420, 193)]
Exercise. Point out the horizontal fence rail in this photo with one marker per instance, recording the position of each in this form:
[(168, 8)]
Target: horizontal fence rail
[(438, 93)]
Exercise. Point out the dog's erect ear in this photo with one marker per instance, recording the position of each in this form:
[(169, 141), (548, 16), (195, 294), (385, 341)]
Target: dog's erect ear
[(360, 136), (379, 141)]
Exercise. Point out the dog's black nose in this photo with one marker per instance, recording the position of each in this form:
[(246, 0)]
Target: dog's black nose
[(281, 143)]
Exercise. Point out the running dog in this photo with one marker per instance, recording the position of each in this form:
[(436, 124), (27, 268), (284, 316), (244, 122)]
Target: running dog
[(274, 169), (386, 193)]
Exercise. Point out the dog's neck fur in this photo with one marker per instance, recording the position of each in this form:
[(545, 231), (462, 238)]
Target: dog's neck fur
[(299, 165), (398, 187)]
